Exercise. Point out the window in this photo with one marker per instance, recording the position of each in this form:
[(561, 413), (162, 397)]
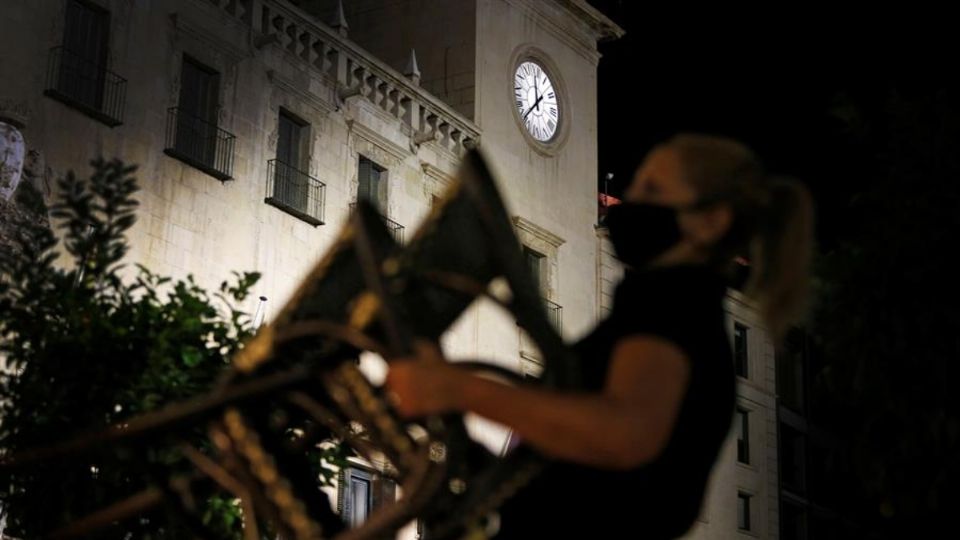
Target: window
[(197, 111), (192, 132), (743, 511), (740, 350), (198, 90), (291, 136), (289, 187), (372, 187), (84, 52), (357, 496), (372, 184), (536, 262), (540, 251), (77, 73), (743, 435), (531, 359), (361, 492)]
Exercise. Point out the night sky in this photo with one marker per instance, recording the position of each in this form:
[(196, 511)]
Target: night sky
[(766, 83), (864, 109)]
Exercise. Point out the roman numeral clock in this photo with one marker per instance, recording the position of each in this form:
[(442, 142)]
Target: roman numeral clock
[(537, 101)]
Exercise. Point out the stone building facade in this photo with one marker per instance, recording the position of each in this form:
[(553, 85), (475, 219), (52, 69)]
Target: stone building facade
[(257, 123)]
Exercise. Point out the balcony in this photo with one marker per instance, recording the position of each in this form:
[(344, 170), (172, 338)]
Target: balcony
[(85, 86), (316, 47), (295, 192), (199, 143)]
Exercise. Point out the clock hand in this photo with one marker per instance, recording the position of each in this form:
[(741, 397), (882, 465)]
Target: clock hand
[(537, 91), (535, 105)]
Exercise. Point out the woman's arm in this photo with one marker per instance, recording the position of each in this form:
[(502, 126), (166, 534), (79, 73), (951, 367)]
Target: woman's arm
[(626, 425)]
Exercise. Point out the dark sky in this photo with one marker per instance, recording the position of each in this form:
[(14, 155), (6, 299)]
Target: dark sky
[(767, 83)]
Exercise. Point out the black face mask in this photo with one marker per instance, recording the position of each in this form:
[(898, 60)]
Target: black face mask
[(640, 232)]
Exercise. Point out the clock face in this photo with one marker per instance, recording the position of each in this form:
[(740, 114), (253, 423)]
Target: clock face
[(536, 101)]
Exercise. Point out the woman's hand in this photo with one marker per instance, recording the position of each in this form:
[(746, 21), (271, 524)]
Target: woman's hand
[(424, 384)]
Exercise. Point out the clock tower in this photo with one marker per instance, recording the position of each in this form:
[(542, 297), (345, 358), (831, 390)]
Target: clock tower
[(525, 71)]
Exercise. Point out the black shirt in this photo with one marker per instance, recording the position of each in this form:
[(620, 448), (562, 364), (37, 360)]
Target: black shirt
[(662, 498)]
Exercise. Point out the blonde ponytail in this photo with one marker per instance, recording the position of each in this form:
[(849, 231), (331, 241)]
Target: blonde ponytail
[(772, 224), (780, 255)]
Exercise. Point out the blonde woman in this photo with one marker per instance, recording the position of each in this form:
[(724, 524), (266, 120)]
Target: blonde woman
[(634, 447)]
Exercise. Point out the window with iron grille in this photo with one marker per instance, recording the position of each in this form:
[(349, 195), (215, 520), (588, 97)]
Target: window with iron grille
[(77, 73), (193, 135), (289, 186)]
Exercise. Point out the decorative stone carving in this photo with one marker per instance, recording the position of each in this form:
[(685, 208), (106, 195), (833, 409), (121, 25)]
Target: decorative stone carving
[(36, 172), (12, 154)]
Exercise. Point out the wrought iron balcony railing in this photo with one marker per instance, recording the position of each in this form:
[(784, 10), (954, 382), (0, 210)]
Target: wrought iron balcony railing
[(199, 143), (295, 192), (86, 86)]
